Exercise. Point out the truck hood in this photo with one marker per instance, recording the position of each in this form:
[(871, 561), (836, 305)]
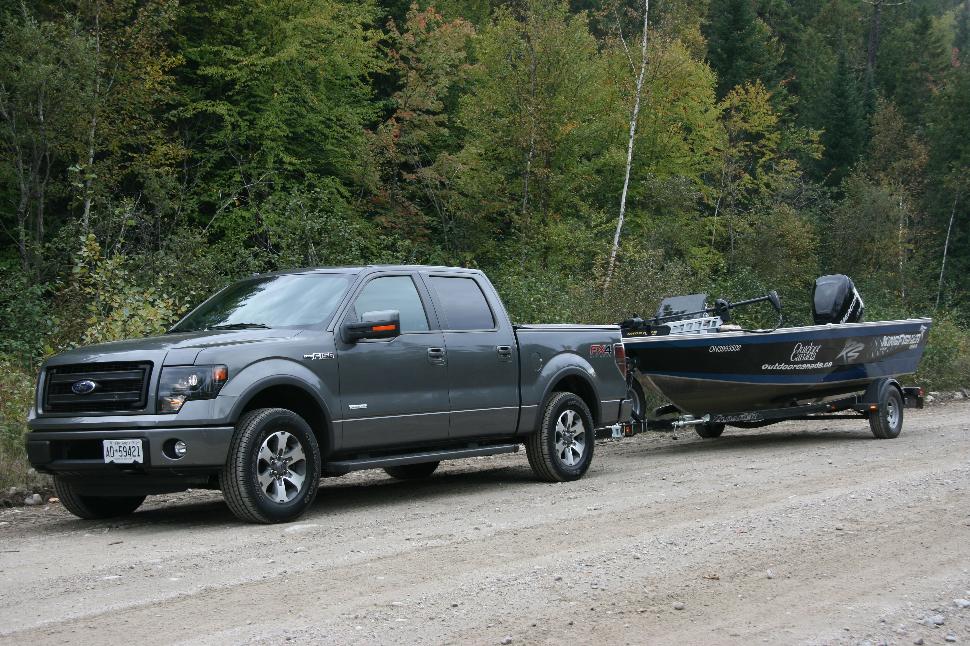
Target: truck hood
[(175, 349)]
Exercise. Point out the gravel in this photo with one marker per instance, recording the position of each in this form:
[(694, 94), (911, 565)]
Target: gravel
[(750, 501)]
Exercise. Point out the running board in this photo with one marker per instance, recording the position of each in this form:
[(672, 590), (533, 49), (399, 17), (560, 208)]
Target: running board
[(359, 464)]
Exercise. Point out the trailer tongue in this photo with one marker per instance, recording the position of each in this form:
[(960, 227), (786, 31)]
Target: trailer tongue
[(716, 374)]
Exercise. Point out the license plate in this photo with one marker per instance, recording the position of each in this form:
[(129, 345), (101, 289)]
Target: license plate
[(123, 451)]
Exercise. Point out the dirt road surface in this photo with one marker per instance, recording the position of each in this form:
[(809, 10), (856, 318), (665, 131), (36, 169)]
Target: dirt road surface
[(796, 534)]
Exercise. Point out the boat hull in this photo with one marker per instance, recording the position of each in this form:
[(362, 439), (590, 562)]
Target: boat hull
[(728, 372)]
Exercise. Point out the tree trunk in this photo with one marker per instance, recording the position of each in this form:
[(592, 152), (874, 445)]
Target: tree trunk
[(949, 229), (901, 243), (527, 173), (629, 148), (873, 46), (93, 128)]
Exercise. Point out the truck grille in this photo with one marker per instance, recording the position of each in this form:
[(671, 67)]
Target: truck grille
[(117, 387)]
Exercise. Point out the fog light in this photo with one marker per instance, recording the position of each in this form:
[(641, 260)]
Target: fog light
[(180, 448)]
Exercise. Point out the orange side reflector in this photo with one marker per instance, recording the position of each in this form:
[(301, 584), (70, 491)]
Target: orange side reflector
[(873, 407), (383, 328)]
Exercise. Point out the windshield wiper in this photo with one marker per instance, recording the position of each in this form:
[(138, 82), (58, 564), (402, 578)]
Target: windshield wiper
[(239, 326)]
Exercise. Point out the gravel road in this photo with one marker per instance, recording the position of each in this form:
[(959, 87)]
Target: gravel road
[(794, 534)]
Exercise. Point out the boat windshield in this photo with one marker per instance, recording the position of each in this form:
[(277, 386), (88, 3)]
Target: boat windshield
[(287, 301)]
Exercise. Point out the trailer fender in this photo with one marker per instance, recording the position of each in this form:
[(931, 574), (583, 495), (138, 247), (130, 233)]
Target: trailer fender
[(874, 393)]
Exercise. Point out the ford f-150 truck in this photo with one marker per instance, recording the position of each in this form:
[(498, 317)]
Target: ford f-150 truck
[(284, 378)]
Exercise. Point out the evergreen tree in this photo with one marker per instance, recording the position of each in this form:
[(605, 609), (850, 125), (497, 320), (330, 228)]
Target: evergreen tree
[(844, 133), (915, 60), (961, 41), (741, 46)]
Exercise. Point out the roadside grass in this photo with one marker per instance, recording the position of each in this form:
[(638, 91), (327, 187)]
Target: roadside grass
[(946, 362), (16, 393)]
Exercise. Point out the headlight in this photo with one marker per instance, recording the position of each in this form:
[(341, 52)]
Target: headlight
[(179, 384)]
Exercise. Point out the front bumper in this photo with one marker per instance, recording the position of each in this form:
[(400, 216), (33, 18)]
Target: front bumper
[(61, 451)]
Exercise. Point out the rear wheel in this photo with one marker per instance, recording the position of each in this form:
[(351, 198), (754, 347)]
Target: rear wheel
[(273, 470), (562, 449), (412, 471), (887, 422), (709, 430), (93, 507)]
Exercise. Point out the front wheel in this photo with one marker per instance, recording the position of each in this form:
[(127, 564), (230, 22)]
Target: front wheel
[(94, 507), (887, 422), (273, 470), (562, 449)]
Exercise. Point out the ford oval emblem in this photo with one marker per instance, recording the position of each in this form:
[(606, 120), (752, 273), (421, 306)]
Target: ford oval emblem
[(83, 387)]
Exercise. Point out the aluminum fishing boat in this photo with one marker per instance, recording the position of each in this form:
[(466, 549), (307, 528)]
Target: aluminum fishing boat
[(714, 373)]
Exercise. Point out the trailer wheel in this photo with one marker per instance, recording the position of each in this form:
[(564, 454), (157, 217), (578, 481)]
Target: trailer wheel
[(887, 422), (562, 449), (709, 430), (635, 394)]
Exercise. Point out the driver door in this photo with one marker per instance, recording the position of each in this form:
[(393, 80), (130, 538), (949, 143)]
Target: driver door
[(393, 392)]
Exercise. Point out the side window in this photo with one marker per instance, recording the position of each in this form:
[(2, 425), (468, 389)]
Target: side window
[(464, 304), (394, 293)]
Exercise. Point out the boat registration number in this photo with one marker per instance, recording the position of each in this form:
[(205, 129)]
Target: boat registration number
[(123, 451), (725, 348)]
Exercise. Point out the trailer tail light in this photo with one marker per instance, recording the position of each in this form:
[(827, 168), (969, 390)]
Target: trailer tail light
[(619, 355)]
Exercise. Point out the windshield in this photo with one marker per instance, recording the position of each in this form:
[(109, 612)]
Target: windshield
[(290, 300)]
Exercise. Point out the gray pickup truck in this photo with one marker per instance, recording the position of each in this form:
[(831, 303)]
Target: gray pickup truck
[(284, 378)]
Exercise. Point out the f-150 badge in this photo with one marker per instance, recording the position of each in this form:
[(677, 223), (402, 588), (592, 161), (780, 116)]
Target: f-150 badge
[(316, 356)]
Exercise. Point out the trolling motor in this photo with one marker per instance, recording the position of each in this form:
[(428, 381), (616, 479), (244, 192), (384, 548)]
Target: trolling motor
[(690, 315)]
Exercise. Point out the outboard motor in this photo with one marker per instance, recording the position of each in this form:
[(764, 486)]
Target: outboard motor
[(836, 300)]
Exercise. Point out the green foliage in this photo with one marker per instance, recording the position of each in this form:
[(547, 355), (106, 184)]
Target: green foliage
[(914, 65), (845, 130), (946, 362), (741, 47), (24, 314), (17, 386), (107, 304)]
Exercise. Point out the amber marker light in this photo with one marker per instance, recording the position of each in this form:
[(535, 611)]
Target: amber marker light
[(384, 328)]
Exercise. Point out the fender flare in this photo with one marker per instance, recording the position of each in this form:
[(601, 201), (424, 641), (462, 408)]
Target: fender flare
[(258, 376), (875, 390), (571, 370)]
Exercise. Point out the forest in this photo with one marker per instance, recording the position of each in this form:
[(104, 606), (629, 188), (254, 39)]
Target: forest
[(593, 156)]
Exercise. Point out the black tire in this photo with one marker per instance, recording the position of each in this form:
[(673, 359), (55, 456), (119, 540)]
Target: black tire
[(550, 463), (94, 507), (412, 471), (709, 430), (245, 492), (635, 393), (887, 422)]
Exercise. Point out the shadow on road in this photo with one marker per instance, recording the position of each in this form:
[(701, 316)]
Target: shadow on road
[(763, 440), (179, 512)]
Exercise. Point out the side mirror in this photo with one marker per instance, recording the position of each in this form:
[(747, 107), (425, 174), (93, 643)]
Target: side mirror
[(385, 324)]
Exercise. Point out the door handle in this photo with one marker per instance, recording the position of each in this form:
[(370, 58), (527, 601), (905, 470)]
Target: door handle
[(436, 356), (504, 352)]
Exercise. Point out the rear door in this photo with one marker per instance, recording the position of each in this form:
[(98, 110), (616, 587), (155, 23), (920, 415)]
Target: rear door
[(394, 391), (483, 361)]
